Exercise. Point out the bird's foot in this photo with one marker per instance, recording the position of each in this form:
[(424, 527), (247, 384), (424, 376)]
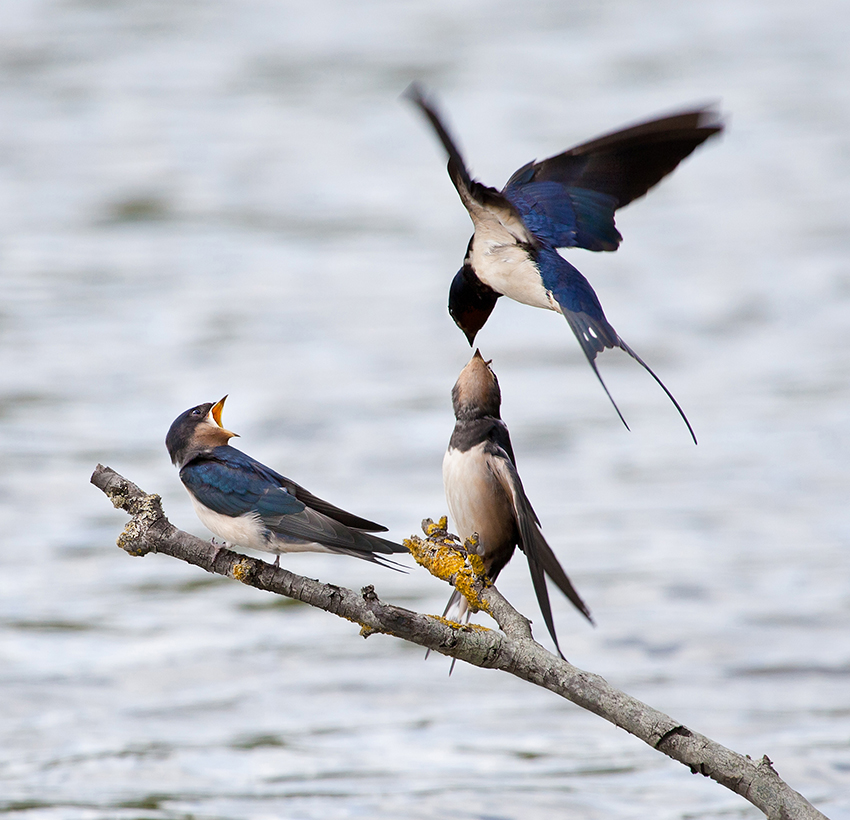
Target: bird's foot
[(217, 548)]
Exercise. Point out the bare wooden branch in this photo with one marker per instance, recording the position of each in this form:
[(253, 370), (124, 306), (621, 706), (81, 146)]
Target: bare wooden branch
[(513, 650)]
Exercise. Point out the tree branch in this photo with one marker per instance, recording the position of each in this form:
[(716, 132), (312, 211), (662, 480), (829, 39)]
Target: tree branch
[(514, 650)]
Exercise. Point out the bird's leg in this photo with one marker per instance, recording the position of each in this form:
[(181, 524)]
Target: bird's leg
[(217, 547)]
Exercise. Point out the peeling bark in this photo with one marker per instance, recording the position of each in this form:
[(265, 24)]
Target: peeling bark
[(512, 650)]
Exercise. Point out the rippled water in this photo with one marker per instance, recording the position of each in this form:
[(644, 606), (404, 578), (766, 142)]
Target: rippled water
[(208, 198)]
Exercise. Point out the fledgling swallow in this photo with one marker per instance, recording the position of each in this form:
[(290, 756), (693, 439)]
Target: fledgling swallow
[(566, 201), (246, 503), (485, 494)]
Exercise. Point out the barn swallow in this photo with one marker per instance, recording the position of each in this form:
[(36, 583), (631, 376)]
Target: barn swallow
[(485, 494), (246, 503), (565, 201)]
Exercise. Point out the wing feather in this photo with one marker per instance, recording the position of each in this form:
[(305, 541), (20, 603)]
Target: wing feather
[(231, 483), (541, 560)]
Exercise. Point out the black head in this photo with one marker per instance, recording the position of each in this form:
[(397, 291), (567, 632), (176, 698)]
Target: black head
[(196, 430), (476, 392), (470, 302)]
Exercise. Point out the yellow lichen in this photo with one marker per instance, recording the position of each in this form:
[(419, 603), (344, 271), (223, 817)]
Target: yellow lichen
[(129, 535), (431, 529), (446, 558), (475, 560), (242, 571), (467, 582), (460, 626)]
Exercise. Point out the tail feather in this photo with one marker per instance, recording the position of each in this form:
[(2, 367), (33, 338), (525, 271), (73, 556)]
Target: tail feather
[(551, 566), (660, 383), (542, 562), (538, 579), (595, 335), (371, 557)]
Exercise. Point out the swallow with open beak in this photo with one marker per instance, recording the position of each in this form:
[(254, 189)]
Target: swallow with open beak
[(565, 201), (485, 494), (248, 504)]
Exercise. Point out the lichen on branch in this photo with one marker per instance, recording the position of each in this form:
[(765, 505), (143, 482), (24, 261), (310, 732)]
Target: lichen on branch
[(446, 558), (513, 650)]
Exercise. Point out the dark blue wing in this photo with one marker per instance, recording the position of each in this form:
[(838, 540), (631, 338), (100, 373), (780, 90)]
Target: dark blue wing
[(232, 483), (235, 481), (566, 217), (318, 504), (579, 189), (625, 164)]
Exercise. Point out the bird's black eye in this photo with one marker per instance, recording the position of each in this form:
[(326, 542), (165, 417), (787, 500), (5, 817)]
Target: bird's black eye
[(196, 411)]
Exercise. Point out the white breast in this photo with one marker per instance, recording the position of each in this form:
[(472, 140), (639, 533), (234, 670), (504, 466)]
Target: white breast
[(477, 502), (250, 532), (508, 269), (244, 530)]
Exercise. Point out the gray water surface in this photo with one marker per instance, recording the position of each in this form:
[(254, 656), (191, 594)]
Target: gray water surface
[(229, 197)]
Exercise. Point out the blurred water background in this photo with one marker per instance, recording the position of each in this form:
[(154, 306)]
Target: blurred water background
[(200, 198)]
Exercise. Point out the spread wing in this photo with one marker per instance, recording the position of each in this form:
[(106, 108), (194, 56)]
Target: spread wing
[(578, 190), (492, 213), (566, 217)]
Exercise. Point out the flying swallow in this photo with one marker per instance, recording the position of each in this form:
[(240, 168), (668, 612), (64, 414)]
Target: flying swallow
[(485, 494), (246, 503), (565, 201)]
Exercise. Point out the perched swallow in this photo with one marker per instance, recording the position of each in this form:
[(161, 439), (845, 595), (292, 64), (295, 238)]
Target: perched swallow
[(485, 495), (566, 201), (246, 503)]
